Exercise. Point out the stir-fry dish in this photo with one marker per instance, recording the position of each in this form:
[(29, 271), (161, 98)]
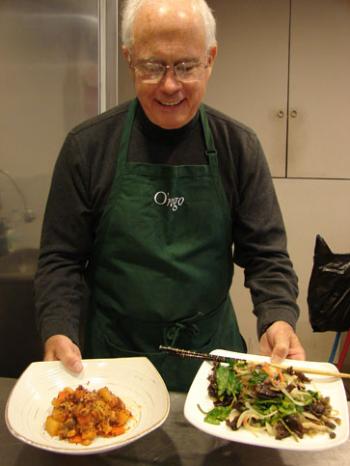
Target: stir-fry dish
[(80, 415), (262, 398)]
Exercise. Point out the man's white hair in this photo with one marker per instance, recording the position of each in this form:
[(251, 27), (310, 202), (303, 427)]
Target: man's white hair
[(131, 7)]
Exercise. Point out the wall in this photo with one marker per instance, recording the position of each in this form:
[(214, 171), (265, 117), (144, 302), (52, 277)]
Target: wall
[(309, 207)]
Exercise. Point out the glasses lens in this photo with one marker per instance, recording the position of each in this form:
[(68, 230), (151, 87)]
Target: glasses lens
[(189, 71), (150, 72)]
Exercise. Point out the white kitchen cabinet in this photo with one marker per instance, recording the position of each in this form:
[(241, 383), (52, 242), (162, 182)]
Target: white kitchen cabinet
[(319, 90), (283, 68), (250, 76)]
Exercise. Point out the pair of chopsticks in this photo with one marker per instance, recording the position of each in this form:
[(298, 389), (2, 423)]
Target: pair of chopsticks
[(217, 358)]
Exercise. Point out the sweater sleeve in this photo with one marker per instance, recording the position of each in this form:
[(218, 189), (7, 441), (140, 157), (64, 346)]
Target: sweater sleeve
[(260, 245), (67, 236)]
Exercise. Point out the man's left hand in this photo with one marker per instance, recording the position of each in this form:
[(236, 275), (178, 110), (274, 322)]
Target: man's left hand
[(280, 342)]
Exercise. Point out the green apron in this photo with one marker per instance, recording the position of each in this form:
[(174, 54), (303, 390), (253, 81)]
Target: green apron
[(162, 264)]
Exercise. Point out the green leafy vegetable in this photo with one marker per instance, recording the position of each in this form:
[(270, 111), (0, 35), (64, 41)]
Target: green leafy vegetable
[(257, 377), (216, 415), (228, 382)]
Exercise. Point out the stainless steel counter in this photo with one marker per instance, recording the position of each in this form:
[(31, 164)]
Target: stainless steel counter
[(176, 443)]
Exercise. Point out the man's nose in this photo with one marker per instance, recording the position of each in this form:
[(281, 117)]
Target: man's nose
[(169, 82)]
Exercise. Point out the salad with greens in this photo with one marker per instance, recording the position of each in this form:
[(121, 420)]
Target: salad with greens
[(263, 398)]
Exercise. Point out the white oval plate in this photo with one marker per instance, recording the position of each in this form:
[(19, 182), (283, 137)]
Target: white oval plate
[(334, 388), (135, 380)]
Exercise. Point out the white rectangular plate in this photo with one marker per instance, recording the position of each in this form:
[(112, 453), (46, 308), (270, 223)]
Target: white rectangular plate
[(334, 388), (135, 380)]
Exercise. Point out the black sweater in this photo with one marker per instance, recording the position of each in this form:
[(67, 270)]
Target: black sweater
[(79, 191)]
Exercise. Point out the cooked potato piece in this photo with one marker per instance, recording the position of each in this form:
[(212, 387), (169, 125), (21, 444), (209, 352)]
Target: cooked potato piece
[(122, 417), (52, 426)]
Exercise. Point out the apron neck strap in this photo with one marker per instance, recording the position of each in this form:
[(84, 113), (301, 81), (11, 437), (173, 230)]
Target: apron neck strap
[(125, 138), (210, 149)]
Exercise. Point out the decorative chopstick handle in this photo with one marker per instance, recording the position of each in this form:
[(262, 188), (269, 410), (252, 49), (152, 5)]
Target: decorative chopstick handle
[(194, 355), (184, 353)]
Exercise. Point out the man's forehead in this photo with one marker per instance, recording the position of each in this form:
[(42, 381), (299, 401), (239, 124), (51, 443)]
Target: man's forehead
[(178, 47), (162, 17)]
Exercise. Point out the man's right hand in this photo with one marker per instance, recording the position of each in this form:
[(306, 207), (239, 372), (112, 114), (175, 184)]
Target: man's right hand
[(61, 348)]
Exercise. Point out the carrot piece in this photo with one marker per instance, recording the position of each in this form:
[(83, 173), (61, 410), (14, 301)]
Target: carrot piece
[(117, 430), (267, 368), (84, 420), (63, 395), (273, 372), (76, 439)]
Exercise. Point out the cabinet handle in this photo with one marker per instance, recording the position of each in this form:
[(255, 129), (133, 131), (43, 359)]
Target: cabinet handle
[(293, 113), (280, 114)]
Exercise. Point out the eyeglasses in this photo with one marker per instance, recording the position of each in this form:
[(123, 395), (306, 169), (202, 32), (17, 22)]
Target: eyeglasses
[(153, 72)]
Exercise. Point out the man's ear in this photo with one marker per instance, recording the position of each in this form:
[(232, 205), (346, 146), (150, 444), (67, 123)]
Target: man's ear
[(126, 54), (211, 58), (213, 51)]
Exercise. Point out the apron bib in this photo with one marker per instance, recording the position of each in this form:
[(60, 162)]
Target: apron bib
[(162, 264)]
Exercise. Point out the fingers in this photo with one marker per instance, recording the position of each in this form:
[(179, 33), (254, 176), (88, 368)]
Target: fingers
[(296, 350), (61, 348), (281, 342), (280, 351), (264, 347), (49, 356)]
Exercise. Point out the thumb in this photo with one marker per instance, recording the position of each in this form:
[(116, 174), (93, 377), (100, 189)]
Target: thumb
[(72, 361), (279, 350), (62, 348)]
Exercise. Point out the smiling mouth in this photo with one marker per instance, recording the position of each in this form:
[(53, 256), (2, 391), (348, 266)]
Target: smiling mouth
[(170, 104)]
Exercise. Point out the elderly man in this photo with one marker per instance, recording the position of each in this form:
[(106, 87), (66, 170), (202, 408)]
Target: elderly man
[(147, 203)]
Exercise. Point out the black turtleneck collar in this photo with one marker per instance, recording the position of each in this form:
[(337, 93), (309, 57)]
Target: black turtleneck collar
[(154, 132)]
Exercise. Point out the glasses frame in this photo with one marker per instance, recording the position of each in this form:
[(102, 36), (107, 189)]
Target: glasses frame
[(166, 68)]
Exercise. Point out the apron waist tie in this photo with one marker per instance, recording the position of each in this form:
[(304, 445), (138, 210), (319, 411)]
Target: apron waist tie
[(171, 334), (195, 330), (193, 326)]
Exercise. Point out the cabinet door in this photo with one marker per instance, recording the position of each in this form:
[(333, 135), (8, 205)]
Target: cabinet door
[(250, 77), (319, 126)]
